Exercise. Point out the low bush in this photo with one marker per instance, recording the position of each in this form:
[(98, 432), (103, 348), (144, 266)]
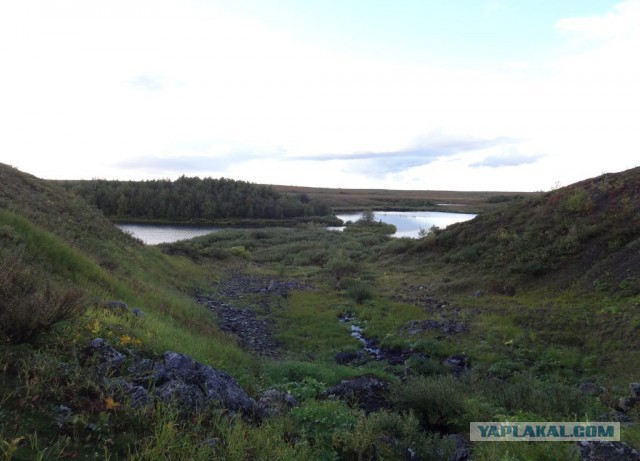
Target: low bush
[(359, 291), (385, 435), (28, 305), (438, 402)]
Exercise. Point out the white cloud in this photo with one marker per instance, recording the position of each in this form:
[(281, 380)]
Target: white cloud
[(162, 88)]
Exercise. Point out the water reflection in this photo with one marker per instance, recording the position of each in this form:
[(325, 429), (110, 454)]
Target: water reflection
[(409, 223)]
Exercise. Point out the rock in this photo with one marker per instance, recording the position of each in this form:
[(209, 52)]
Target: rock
[(212, 442), (106, 357), (180, 379), (275, 403), (368, 392), (137, 312), (616, 417), (607, 451), (593, 389), (463, 448), (635, 390), (458, 363), (116, 307), (136, 396), (626, 403), (344, 358)]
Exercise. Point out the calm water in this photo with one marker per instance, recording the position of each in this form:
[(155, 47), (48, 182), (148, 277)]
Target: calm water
[(408, 224), (152, 234)]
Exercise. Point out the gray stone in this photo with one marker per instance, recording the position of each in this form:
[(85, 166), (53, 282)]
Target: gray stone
[(458, 363), (616, 417), (589, 388), (626, 403), (635, 390), (107, 358), (607, 451), (369, 392), (137, 312), (273, 402), (135, 395), (116, 307), (179, 378), (463, 447)]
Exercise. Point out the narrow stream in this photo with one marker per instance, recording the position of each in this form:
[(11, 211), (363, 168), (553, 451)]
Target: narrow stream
[(370, 345)]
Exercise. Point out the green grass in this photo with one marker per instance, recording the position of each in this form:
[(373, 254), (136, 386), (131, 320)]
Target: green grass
[(527, 351)]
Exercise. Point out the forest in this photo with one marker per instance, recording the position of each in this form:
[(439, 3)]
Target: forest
[(193, 199)]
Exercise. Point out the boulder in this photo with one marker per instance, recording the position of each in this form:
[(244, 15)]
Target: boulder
[(368, 392), (635, 390), (180, 379), (137, 312)]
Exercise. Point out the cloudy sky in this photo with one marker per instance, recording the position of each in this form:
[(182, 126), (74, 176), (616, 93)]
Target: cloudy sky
[(398, 94)]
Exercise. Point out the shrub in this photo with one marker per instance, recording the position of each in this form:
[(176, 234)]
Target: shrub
[(240, 251), (319, 421), (359, 291), (29, 306), (386, 435), (438, 402)]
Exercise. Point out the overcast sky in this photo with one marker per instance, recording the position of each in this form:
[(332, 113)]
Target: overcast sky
[(397, 94)]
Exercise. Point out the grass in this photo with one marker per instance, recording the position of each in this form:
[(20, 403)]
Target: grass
[(528, 351)]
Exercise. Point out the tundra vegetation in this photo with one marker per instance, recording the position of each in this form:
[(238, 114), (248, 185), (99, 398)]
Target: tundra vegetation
[(530, 312)]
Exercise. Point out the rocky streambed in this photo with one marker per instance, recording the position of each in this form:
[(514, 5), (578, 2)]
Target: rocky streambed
[(242, 304)]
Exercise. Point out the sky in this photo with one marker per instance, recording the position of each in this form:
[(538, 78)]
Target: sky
[(491, 95)]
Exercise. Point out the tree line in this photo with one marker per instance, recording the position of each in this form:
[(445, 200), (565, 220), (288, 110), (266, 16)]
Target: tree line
[(194, 199)]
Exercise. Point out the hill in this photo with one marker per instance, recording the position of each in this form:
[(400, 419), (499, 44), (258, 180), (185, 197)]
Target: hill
[(585, 236)]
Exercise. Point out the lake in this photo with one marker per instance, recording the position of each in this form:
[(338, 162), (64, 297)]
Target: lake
[(408, 224), (152, 234)]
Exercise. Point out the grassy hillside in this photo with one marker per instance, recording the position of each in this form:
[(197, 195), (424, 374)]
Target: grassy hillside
[(506, 317), (583, 237)]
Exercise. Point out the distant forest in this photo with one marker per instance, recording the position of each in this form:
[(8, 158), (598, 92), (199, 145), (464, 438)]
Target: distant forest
[(194, 199)]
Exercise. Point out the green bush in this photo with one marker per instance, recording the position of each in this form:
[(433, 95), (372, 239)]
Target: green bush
[(359, 291), (438, 402), (319, 421), (28, 305)]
